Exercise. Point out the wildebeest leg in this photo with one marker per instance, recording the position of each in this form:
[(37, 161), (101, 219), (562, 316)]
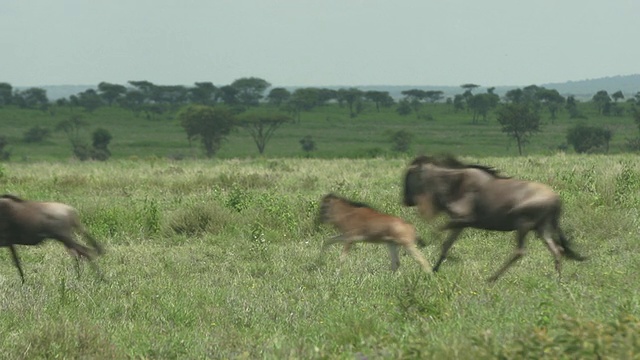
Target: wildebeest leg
[(16, 261), (517, 254), (345, 250), (413, 251), (393, 254), (453, 236), (332, 240), (545, 235)]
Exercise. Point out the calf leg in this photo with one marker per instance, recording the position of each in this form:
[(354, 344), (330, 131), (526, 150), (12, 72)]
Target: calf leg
[(393, 254), (413, 251), (453, 236), (16, 261)]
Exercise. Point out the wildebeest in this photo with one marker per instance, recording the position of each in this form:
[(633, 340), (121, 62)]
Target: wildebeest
[(24, 222), (357, 222), (479, 197)]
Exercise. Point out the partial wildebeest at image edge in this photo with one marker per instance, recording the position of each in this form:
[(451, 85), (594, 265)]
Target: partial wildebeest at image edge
[(29, 223)]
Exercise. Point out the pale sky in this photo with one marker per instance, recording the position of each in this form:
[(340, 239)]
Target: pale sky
[(317, 42)]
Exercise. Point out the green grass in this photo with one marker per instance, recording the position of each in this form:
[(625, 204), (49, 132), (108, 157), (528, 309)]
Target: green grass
[(336, 134), (219, 259)]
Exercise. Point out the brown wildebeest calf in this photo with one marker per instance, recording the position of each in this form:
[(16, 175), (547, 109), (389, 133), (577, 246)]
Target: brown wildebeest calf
[(25, 222), (358, 222), (477, 196)]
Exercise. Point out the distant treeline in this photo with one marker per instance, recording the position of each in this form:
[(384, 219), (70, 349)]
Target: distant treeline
[(151, 99)]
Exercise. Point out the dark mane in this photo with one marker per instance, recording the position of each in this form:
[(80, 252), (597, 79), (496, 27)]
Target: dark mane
[(12, 197), (449, 161)]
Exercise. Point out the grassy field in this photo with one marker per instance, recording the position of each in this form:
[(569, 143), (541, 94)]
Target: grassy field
[(335, 134), (219, 259)]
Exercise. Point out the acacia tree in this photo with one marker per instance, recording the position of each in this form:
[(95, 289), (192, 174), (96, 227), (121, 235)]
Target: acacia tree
[(302, 99), (353, 98), (481, 104), (262, 126), (203, 93), (380, 98), (278, 96), (110, 93), (601, 99), (519, 121), (210, 124), (250, 90)]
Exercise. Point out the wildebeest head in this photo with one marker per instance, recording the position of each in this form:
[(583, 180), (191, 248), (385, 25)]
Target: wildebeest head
[(433, 181), (331, 203)]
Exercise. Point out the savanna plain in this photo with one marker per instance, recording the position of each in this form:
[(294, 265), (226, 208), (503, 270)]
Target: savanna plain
[(220, 259)]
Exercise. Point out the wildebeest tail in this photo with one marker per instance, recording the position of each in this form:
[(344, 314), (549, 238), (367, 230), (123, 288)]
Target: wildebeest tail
[(568, 252)]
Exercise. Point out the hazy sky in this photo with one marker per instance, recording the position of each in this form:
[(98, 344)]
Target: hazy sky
[(317, 42)]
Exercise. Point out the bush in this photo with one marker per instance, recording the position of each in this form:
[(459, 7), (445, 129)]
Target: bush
[(401, 141), (585, 138), (36, 134), (308, 145)]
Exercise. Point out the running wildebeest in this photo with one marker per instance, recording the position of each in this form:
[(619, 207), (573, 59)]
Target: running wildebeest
[(25, 222), (358, 222), (477, 196)]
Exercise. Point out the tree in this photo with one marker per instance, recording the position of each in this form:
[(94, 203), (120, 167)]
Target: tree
[(100, 141), (110, 93), (401, 141), (353, 98), (32, 98), (36, 134), (481, 104), (89, 100), (618, 95), (229, 95), (133, 100), (519, 121), (203, 93), (601, 99), (278, 96), (308, 145), (261, 127), (380, 98), (250, 90), (433, 96), (404, 107), (414, 98), (6, 94), (71, 127), (302, 99), (586, 138), (210, 124), (145, 87), (553, 101), (572, 107), (469, 87), (458, 102)]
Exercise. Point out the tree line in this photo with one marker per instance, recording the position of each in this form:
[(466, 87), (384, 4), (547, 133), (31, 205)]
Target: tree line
[(209, 111)]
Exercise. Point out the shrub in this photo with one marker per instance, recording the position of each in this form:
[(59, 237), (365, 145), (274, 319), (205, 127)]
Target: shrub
[(401, 141), (36, 134), (308, 145), (585, 138)]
